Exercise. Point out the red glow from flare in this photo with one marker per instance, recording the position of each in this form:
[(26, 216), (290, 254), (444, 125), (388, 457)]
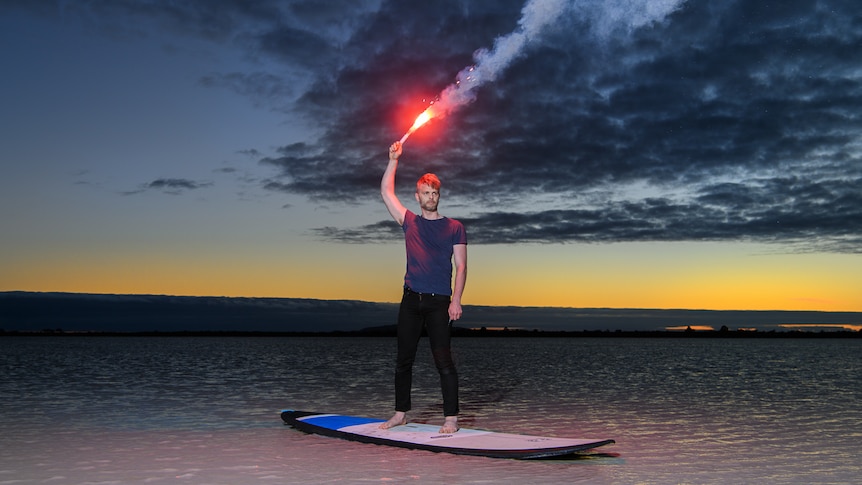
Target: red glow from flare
[(421, 119)]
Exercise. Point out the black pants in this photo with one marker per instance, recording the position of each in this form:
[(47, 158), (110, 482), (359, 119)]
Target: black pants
[(420, 310)]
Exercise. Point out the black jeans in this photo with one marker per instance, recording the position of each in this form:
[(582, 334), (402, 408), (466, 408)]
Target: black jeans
[(420, 310)]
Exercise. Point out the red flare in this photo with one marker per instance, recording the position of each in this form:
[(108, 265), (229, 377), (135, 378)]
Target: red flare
[(420, 120)]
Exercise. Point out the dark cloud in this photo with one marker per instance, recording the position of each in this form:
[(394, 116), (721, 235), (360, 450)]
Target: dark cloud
[(802, 215), (738, 122), (173, 186), (709, 120)]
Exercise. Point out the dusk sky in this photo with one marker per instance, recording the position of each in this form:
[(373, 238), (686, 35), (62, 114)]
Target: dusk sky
[(609, 153)]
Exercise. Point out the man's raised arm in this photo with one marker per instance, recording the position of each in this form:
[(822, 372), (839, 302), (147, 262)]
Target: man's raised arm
[(387, 185)]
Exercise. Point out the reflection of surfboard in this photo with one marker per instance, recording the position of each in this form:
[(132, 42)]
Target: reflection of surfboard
[(426, 437)]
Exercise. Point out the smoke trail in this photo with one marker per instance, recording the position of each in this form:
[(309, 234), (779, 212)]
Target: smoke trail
[(604, 18), (617, 17), (535, 15)]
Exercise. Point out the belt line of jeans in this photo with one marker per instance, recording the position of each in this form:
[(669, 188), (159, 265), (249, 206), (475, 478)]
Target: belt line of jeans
[(410, 290)]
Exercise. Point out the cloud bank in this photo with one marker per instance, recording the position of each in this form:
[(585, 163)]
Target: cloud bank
[(608, 121)]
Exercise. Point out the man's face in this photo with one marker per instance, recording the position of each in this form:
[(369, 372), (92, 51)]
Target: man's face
[(427, 197)]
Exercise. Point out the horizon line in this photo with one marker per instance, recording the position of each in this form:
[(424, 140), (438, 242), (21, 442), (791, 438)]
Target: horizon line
[(3, 292)]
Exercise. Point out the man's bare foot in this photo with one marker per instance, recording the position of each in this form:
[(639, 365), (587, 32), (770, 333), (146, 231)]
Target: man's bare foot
[(450, 425), (398, 419)]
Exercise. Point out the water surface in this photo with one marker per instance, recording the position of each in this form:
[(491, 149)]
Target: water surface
[(205, 410)]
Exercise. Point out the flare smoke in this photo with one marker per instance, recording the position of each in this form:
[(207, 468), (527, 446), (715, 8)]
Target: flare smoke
[(604, 19)]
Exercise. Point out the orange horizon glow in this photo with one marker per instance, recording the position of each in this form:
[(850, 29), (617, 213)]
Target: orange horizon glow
[(674, 276), (842, 326)]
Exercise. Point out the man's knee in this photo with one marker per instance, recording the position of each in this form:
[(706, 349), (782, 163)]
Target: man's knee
[(445, 365)]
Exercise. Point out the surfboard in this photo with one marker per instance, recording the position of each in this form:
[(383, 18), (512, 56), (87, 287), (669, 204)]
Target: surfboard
[(417, 436)]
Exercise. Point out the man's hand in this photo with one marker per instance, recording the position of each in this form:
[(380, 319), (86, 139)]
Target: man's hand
[(395, 150), (454, 310)]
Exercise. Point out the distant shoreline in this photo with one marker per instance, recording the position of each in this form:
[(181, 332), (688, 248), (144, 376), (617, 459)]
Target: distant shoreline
[(75, 313), (461, 333)]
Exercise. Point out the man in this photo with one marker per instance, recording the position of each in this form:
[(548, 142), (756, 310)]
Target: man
[(432, 242)]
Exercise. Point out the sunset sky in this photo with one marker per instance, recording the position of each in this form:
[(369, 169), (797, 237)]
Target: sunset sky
[(614, 153)]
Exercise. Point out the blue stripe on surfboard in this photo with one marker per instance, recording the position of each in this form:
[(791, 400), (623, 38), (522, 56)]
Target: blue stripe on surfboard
[(337, 421)]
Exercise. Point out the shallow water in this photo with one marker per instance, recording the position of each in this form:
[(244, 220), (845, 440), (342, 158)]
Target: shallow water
[(205, 410)]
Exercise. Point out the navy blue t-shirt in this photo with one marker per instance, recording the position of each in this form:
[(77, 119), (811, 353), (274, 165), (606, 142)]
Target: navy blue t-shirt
[(429, 252)]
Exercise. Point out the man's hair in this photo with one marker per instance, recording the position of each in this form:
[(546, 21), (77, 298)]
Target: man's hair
[(428, 179)]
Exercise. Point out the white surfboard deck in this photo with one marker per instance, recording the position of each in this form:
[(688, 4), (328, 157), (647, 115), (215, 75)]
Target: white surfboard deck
[(466, 441)]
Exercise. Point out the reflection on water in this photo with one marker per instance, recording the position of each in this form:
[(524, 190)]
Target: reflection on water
[(681, 411)]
